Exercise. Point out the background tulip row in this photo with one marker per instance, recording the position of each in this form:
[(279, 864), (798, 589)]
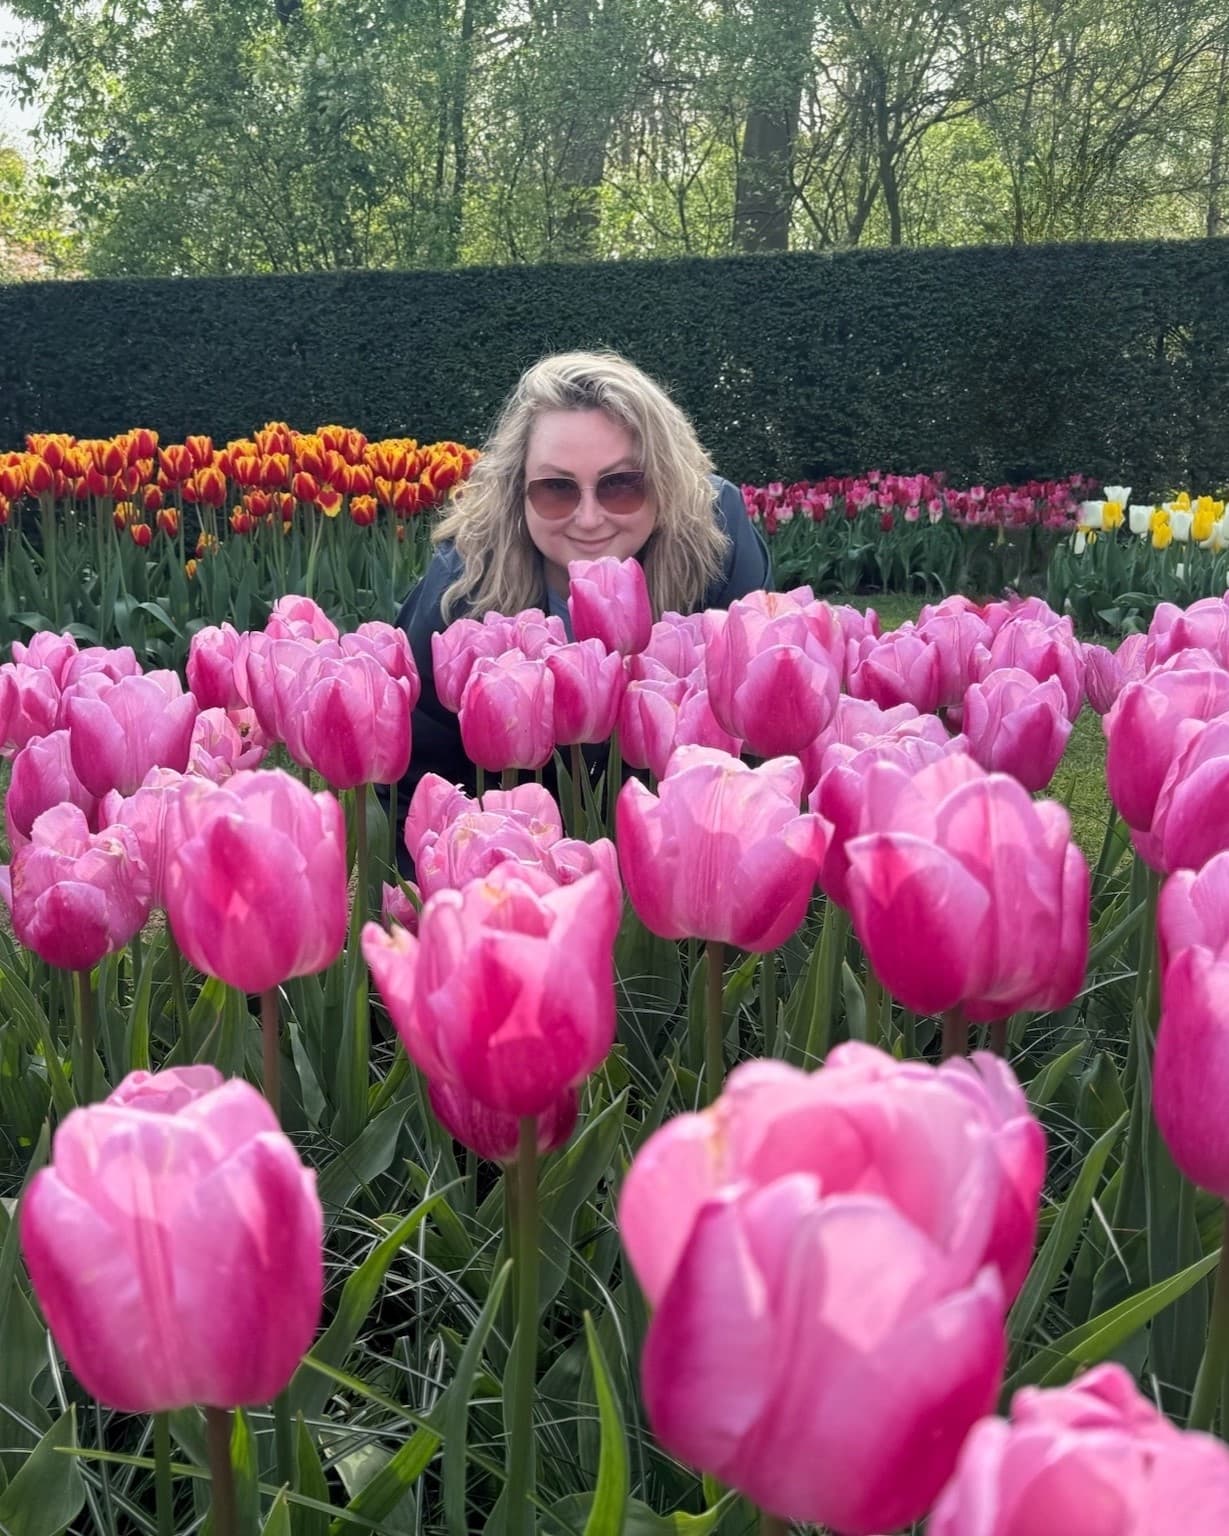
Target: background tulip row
[(650, 1183), (133, 542)]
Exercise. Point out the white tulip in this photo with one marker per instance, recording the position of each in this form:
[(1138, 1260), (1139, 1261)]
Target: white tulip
[(1181, 522), (1139, 519), (1090, 514), (1119, 493)]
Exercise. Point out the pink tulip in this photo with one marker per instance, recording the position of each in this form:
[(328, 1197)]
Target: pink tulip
[(1190, 1076), (157, 816), (347, 718), (772, 683), (1032, 610), (1042, 650), (1183, 835), (43, 776), (257, 892), (508, 991), (1016, 725), (474, 843), (46, 649), (120, 729), (531, 631), (397, 907), (1103, 679), (107, 661), (900, 668), (493, 1134), (1142, 730), (958, 605), (454, 652), (1204, 626), (224, 742), (29, 704), (299, 618), (77, 896), (822, 1255), (507, 713), (175, 1245), (272, 668), (213, 654), (435, 803), (657, 719), (1091, 1459), (589, 686), (608, 600), (966, 893), (676, 644), (963, 639), (720, 852), (389, 646)]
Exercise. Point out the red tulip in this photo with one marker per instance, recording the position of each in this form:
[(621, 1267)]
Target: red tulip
[(589, 686), (121, 729), (608, 600), (720, 852), (77, 896), (257, 892), (1016, 725), (772, 682), (507, 713), (966, 893), (494, 1135), (175, 1245), (42, 777), (900, 668), (508, 992), (1091, 1459), (821, 1253), (347, 718)]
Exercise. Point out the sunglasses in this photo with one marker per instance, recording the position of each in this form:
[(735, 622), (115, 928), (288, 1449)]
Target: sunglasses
[(621, 494)]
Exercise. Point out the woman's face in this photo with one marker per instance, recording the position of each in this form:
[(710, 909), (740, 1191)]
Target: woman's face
[(579, 455)]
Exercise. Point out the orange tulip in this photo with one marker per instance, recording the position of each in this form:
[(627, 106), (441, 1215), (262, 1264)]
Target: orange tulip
[(328, 500), (52, 446), (304, 488), (4, 510), (201, 449), (359, 480), (146, 441), (151, 498), (205, 545), (241, 520), (407, 498), (176, 461), (128, 481), (168, 521), (141, 534), (245, 469), (363, 510), (12, 477), (284, 505), (39, 474), (258, 503), (275, 470), (98, 484), (274, 437), (190, 569)]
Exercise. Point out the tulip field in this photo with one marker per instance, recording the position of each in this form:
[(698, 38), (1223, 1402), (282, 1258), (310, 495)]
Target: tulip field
[(786, 1124)]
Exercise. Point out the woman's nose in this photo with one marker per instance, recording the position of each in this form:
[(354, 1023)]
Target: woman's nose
[(589, 513)]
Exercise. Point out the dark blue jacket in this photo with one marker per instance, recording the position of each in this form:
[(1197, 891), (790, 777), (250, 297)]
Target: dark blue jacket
[(436, 734)]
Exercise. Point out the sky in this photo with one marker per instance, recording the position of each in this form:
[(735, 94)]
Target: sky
[(16, 123)]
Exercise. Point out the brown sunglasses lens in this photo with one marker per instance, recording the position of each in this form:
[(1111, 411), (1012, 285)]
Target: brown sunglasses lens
[(556, 496)]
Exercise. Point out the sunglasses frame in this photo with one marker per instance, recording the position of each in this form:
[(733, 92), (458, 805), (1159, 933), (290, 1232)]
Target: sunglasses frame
[(624, 475)]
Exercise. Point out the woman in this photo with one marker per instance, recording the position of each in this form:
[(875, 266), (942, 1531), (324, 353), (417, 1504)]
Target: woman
[(589, 458)]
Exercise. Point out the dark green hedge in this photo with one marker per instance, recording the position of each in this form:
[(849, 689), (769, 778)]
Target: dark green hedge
[(990, 363)]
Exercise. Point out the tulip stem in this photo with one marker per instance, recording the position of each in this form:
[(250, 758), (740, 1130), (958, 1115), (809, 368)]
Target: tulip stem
[(770, 1013), (507, 779), (1214, 1367), (772, 1525), (714, 1020), (283, 1439), (520, 1521), (578, 804), (481, 785), (221, 1473), (998, 1036), (180, 995), (85, 1021), (163, 1481), (955, 1034), (614, 780), (270, 1028)]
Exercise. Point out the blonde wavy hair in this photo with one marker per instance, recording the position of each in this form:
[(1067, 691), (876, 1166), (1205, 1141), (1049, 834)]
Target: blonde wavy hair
[(501, 568)]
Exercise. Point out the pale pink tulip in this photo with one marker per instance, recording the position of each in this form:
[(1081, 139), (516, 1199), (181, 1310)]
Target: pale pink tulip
[(29, 705), (226, 742), (48, 650), (1204, 626)]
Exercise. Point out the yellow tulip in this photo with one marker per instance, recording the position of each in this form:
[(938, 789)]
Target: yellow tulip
[(1159, 519), (1162, 536), (1111, 515), (1182, 501), (1204, 520)]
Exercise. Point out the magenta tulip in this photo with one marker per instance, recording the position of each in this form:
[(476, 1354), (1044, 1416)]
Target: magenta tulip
[(1204, 626), (1014, 724), (720, 852), (822, 1255), (435, 803), (175, 1245), (772, 682), (608, 600), (213, 655), (508, 990), (76, 895), (656, 719), (122, 728), (397, 907), (29, 704), (491, 1133), (901, 668), (299, 618), (1141, 730), (1183, 835), (389, 646), (507, 713), (157, 816), (1103, 680), (589, 686), (348, 719), (1094, 1458), (257, 892), (46, 649), (676, 644), (43, 776), (963, 639), (967, 894), (107, 661), (1042, 650)]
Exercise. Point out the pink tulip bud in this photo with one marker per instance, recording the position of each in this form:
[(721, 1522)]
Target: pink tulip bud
[(589, 686), (29, 704), (271, 668), (658, 719), (257, 891), (494, 1135), (530, 631), (397, 907), (507, 713), (1204, 626), (299, 618), (120, 729), (834, 1399), (77, 896), (213, 654), (349, 719), (772, 682), (720, 852), (454, 652), (676, 644), (966, 893), (900, 668), (1102, 677), (1042, 650), (156, 815), (1141, 730), (43, 776), (508, 991), (1088, 1459), (175, 1245), (609, 601), (46, 649), (1014, 724)]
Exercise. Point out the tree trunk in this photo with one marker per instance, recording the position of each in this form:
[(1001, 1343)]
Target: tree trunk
[(777, 70), (1216, 161)]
